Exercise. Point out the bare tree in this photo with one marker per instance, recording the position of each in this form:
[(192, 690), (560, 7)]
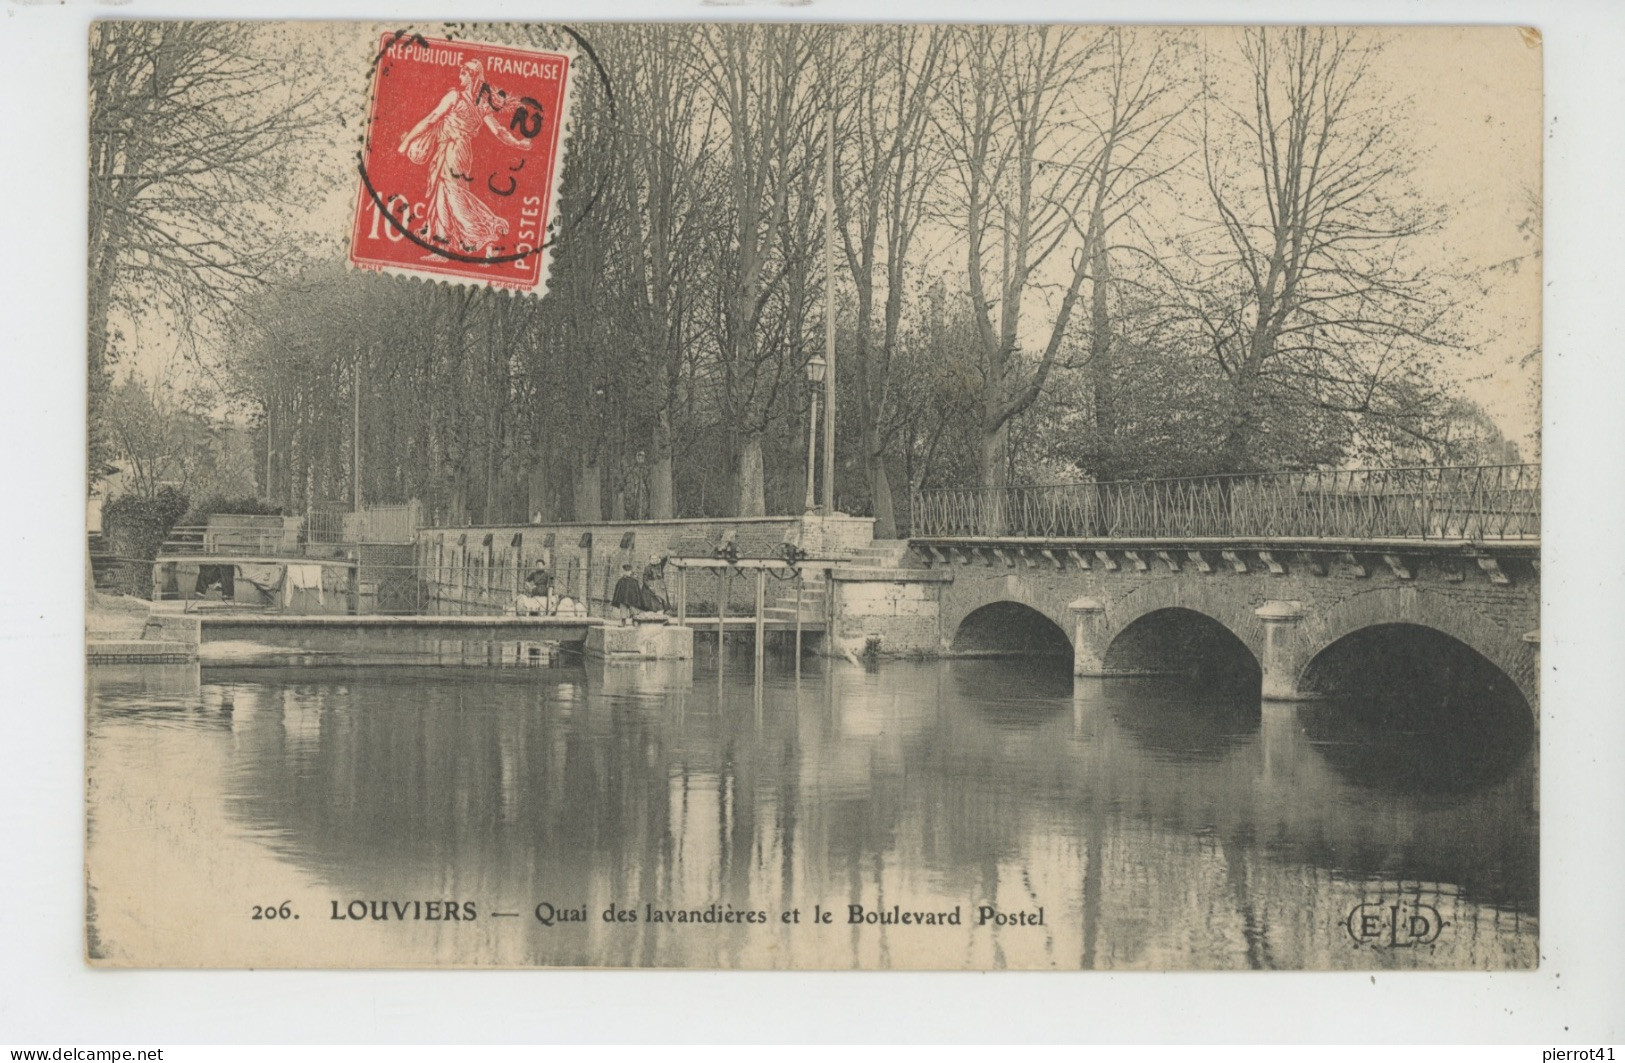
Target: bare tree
[(760, 81), (885, 178), (158, 443), (1035, 145), (192, 128), (667, 143), (1144, 94), (1307, 300)]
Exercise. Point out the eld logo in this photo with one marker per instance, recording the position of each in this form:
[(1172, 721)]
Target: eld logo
[(1400, 925)]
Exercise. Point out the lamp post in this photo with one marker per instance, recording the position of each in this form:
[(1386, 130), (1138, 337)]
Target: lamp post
[(815, 377), (828, 508)]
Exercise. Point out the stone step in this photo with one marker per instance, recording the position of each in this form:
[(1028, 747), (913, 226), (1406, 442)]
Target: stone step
[(788, 616), (893, 554), (807, 604), (890, 574), (134, 651)]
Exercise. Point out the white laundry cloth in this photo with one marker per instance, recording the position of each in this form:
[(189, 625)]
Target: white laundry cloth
[(302, 578)]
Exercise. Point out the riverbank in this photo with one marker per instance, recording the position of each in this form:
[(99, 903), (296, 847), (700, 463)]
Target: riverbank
[(116, 629), (115, 616)]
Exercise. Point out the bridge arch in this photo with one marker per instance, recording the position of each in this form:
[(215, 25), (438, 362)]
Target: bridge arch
[(1405, 609), (1211, 599), (972, 595), (1007, 628), (1177, 640)]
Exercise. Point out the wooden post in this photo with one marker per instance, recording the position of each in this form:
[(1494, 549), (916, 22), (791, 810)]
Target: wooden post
[(355, 444), (723, 586), (761, 615), (798, 622), (829, 611), (682, 594)]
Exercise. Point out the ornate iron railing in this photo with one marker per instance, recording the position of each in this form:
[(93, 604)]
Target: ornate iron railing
[(1476, 503)]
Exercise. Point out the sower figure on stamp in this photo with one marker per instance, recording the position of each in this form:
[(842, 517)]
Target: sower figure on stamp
[(456, 217)]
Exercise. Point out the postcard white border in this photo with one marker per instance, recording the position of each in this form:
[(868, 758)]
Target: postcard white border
[(47, 996)]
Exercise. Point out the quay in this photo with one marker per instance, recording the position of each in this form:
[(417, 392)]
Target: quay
[(1298, 579), (540, 628)]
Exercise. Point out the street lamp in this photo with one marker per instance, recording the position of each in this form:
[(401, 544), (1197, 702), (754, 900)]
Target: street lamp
[(815, 378)]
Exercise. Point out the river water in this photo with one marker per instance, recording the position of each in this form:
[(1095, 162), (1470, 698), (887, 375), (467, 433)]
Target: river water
[(686, 814)]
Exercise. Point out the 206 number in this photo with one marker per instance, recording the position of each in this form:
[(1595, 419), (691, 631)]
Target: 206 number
[(276, 911)]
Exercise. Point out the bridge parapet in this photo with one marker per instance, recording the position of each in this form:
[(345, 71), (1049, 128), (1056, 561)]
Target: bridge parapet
[(1471, 503)]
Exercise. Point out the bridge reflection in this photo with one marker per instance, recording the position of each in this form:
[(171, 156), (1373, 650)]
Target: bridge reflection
[(1160, 825)]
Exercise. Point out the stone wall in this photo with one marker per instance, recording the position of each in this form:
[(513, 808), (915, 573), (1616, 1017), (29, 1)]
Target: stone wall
[(483, 569), (896, 617)]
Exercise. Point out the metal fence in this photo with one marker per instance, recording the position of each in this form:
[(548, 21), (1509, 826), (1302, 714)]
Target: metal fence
[(1477, 503), (374, 524)]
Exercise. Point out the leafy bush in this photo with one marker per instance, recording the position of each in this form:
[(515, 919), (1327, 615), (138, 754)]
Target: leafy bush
[(136, 526), (218, 503)]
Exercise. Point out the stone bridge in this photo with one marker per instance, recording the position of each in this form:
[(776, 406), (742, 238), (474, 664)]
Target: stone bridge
[(1307, 581), (1130, 610)]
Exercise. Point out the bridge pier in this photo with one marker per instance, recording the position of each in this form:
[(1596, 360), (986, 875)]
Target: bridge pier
[(1279, 738), (1283, 659), (1088, 637)]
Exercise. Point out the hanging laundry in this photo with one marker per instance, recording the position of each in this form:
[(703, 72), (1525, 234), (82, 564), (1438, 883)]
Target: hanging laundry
[(267, 579), (302, 578), (223, 576)]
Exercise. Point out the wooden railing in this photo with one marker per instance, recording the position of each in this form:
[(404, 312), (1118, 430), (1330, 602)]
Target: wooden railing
[(1476, 503)]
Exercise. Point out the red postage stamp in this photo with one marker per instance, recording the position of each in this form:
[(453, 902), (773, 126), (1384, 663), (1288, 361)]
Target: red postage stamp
[(460, 165)]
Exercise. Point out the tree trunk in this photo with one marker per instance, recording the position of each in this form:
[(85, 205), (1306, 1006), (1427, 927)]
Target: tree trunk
[(879, 485), (589, 508), (660, 486), (536, 507), (995, 478), (1107, 460), (1235, 450), (752, 486)]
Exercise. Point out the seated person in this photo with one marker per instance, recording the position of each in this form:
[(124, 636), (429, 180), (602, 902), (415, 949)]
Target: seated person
[(533, 605), (537, 599)]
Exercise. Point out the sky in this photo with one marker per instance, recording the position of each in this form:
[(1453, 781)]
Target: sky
[(1475, 101)]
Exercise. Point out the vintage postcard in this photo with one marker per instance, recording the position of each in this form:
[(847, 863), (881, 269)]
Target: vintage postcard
[(813, 496)]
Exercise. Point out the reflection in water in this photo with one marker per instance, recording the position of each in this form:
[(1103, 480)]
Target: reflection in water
[(1153, 826), (1442, 754), (1183, 721)]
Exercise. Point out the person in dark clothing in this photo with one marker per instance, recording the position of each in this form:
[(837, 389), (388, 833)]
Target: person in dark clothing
[(654, 573), (628, 596)]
